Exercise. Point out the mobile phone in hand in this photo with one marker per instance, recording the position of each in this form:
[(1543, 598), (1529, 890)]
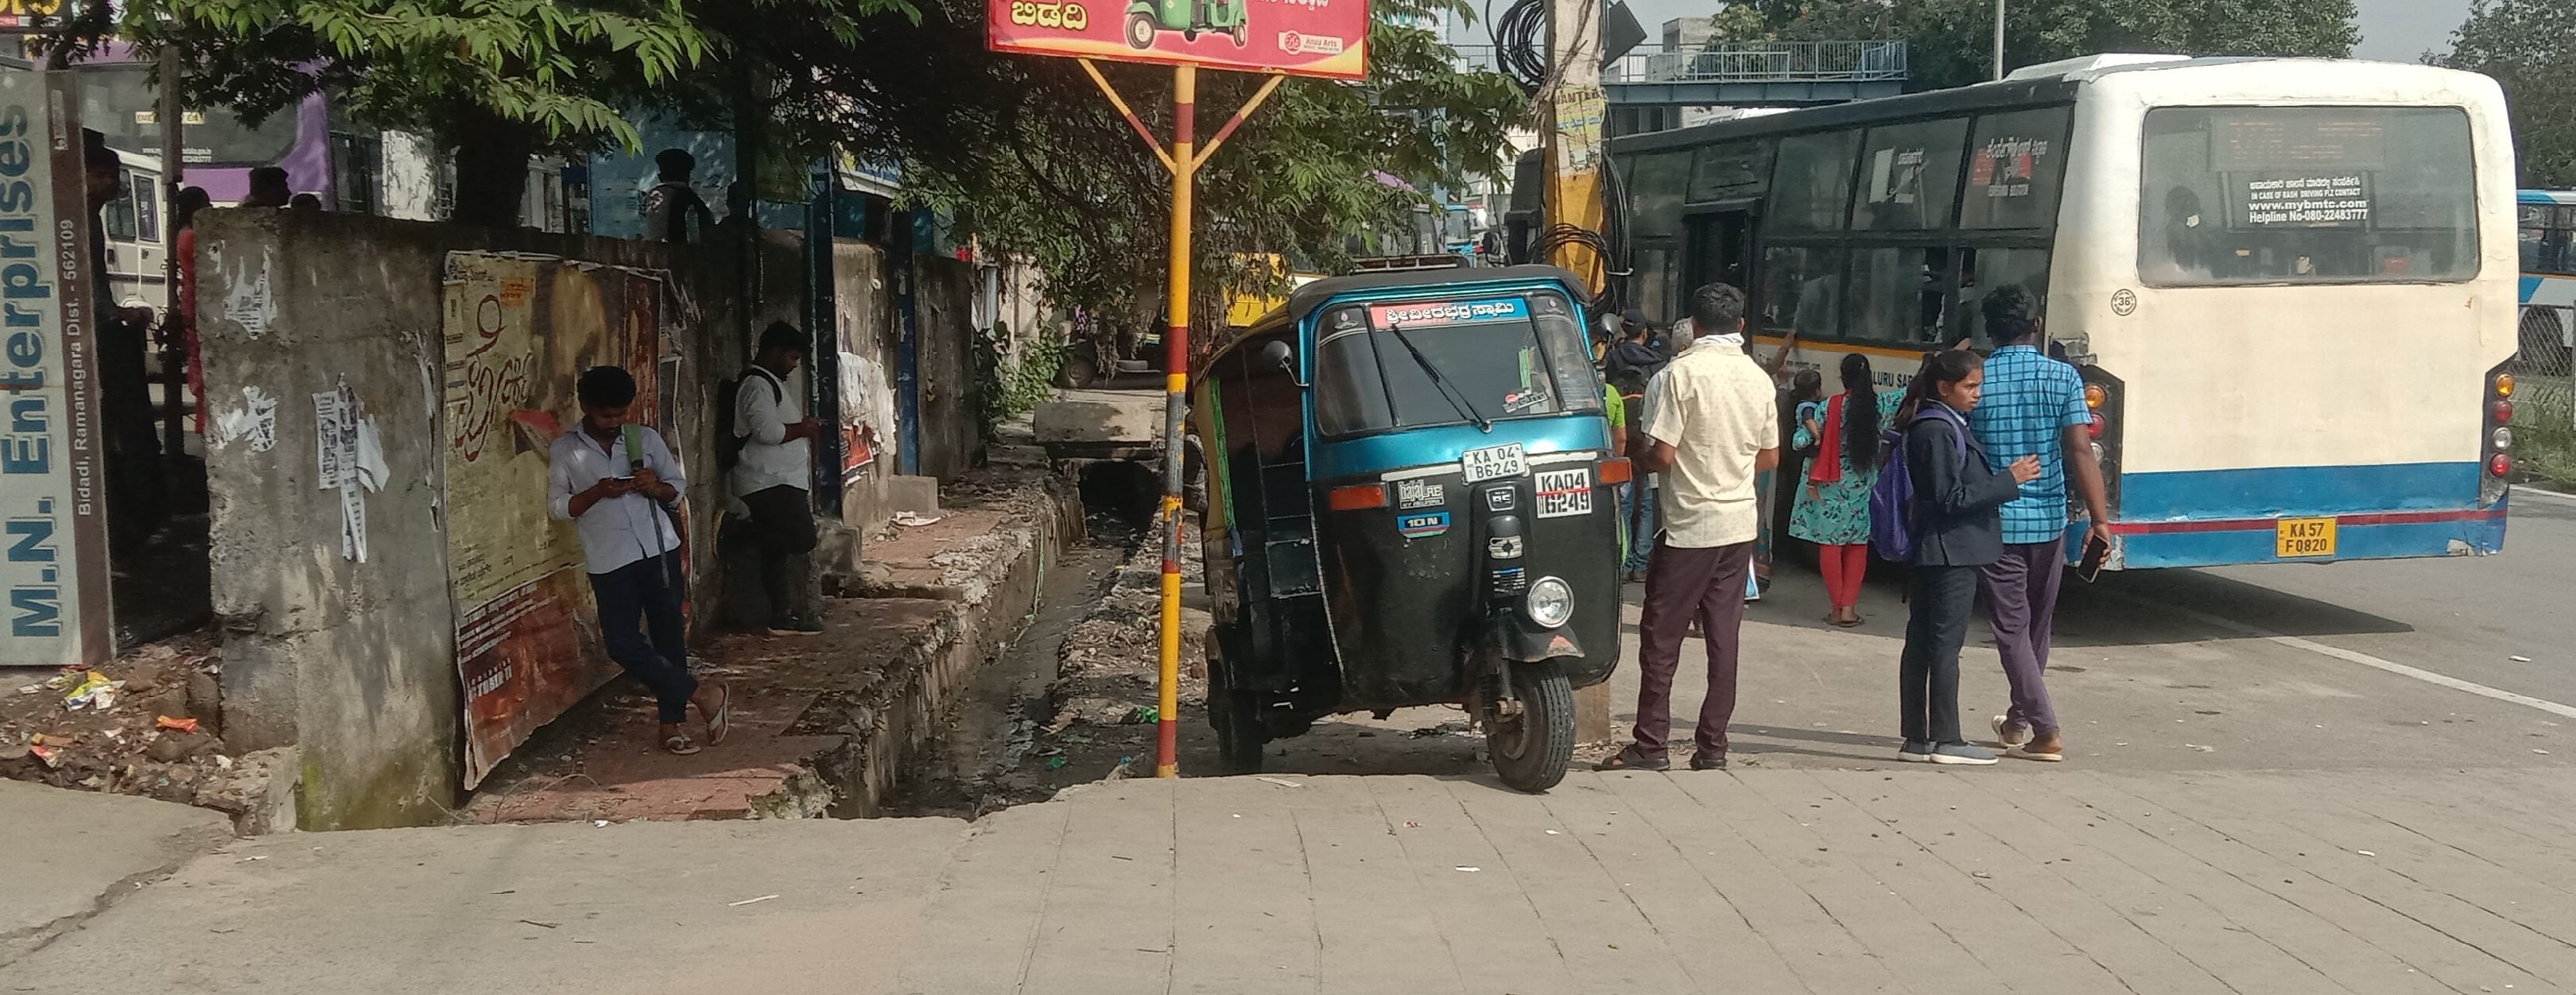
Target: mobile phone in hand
[(2096, 553)]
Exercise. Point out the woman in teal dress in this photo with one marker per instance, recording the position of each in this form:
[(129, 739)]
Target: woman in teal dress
[(1832, 509)]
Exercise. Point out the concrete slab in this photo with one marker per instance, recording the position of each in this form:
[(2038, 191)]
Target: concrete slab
[(1100, 416), (68, 854)]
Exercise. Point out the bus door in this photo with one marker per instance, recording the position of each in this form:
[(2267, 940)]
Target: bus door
[(1721, 249)]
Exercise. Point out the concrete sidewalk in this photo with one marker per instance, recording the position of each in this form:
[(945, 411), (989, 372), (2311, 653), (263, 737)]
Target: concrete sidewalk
[(65, 855), (2017, 879)]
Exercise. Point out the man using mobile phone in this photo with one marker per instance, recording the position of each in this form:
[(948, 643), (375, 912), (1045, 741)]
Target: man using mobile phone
[(2033, 406), (774, 475), (615, 482)]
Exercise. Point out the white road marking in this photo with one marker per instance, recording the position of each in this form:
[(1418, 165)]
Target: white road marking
[(2355, 656), (2551, 497)]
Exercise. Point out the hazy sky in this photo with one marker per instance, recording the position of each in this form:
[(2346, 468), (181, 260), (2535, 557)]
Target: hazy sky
[(2395, 30)]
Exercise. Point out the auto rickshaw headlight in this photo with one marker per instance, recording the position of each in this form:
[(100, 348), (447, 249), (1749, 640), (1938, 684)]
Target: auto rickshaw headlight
[(1550, 602)]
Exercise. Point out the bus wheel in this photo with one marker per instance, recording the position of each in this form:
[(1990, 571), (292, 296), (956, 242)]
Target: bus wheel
[(1531, 748), (1140, 30)]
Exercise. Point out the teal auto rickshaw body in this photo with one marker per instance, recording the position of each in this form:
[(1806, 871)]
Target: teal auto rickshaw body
[(1146, 18), (1412, 500)]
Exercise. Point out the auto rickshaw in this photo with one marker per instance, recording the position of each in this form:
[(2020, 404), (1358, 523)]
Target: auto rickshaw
[(1410, 502), (1189, 17)]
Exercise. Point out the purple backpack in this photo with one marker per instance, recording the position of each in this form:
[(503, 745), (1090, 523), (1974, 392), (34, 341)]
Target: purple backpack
[(1891, 500)]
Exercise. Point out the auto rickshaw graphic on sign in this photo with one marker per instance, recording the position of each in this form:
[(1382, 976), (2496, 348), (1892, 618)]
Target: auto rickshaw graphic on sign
[(1145, 18)]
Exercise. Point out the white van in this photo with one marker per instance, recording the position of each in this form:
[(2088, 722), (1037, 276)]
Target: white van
[(137, 226)]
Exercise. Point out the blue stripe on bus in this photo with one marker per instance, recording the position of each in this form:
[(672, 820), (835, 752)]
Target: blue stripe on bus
[(2458, 537), (2296, 491), (1426, 446), (2530, 286)]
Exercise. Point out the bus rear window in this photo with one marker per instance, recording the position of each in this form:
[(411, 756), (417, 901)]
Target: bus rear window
[(2255, 195)]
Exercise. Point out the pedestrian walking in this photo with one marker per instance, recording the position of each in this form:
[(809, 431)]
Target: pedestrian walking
[(1956, 527), (773, 476), (616, 481), (1832, 510), (2033, 409), (1712, 421)]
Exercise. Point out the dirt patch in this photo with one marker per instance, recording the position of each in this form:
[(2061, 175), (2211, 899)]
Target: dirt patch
[(148, 723)]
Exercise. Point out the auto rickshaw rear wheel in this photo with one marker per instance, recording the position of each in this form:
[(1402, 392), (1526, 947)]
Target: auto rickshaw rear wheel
[(1533, 744), (1242, 34), (1140, 30)]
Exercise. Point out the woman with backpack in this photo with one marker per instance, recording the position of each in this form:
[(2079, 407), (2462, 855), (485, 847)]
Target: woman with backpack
[(1832, 510), (1952, 525)]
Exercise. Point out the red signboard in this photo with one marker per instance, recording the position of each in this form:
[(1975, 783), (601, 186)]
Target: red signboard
[(1298, 37)]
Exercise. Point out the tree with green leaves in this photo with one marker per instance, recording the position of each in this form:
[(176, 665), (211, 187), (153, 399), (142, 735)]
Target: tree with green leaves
[(1029, 153), (497, 80), (1950, 42), (2526, 46)]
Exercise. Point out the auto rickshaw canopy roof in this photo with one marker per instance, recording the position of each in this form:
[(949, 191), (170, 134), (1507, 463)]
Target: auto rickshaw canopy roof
[(1306, 300)]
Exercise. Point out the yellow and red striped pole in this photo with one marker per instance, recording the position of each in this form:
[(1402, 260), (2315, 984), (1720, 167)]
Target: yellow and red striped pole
[(1176, 388)]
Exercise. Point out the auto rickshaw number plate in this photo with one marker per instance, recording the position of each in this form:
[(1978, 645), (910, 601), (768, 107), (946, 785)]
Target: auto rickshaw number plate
[(1565, 492), (1494, 463)]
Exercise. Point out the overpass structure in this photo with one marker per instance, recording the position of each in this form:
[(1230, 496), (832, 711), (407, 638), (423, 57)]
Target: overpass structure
[(1749, 74)]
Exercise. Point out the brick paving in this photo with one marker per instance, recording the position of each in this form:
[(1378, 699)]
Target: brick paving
[(1923, 881)]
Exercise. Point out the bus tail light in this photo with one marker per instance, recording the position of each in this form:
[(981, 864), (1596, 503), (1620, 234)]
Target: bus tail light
[(2496, 437), (2104, 396)]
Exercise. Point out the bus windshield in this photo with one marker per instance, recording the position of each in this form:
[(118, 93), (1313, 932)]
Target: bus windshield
[(2246, 195), (1499, 357), (120, 102)]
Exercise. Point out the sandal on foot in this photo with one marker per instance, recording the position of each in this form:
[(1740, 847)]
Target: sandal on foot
[(1631, 759), (721, 723), (680, 743)]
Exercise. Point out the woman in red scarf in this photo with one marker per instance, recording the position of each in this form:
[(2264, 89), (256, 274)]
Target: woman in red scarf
[(1833, 508)]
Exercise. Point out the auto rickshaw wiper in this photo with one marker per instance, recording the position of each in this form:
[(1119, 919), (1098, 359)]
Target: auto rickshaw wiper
[(1457, 399)]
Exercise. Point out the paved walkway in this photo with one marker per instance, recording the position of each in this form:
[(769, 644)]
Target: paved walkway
[(2017, 879)]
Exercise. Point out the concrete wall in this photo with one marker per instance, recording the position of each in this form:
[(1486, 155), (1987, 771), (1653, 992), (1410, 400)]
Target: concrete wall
[(355, 661), (865, 330), (944, 313)]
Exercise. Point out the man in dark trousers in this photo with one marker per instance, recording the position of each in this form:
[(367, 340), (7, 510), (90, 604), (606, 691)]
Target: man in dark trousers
[(616, 481), (1713, 422), (2033, 407), (773, 477)]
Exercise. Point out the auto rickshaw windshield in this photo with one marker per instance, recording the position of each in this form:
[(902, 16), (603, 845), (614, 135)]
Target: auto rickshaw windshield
[(1504, 357)]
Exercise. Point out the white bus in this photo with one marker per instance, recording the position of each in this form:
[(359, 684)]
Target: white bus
[(2289, 284)]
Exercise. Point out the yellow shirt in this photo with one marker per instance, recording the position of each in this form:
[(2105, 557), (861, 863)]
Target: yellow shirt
[(1718, 410)]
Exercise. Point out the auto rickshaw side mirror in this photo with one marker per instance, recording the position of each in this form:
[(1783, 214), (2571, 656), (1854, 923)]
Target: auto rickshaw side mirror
[(1279, 355)]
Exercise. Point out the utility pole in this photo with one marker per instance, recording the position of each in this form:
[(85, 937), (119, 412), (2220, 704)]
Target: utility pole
[(1576, 111), (1999, 39)]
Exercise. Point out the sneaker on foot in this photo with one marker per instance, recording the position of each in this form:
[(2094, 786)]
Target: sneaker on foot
[(790, 625), (2009, 732), (1962, 753), (1915, 751)]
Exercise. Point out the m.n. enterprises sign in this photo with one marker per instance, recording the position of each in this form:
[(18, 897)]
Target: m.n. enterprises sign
[(53, 509)]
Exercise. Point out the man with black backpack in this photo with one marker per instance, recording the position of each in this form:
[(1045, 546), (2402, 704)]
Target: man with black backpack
[(1630, 364), (771, 450)]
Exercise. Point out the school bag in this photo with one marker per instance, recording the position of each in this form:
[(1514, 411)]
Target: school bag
[(728, 441), (1891, 499)]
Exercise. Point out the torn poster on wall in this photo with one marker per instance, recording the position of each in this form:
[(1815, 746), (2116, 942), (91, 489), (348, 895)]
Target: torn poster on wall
[(519, 331), (351, 458)]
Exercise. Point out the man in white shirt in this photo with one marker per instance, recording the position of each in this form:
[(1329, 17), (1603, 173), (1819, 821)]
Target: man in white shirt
[(773, 475), (616, 481), (1713, 421)]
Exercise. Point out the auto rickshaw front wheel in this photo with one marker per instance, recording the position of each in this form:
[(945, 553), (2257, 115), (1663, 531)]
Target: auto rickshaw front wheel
[(1242, 34), (1532, 737), (1239, 736), (1140, 30)]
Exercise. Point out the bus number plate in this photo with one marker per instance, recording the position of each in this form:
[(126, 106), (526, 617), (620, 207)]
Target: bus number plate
[(1494, 463), (2304, 537), (1562, 493)]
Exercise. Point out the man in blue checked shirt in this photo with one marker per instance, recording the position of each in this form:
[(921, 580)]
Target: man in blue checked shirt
[(2033, 406)]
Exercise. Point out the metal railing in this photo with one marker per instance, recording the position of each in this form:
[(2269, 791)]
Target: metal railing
[(1749, 62), (2544, 401)]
